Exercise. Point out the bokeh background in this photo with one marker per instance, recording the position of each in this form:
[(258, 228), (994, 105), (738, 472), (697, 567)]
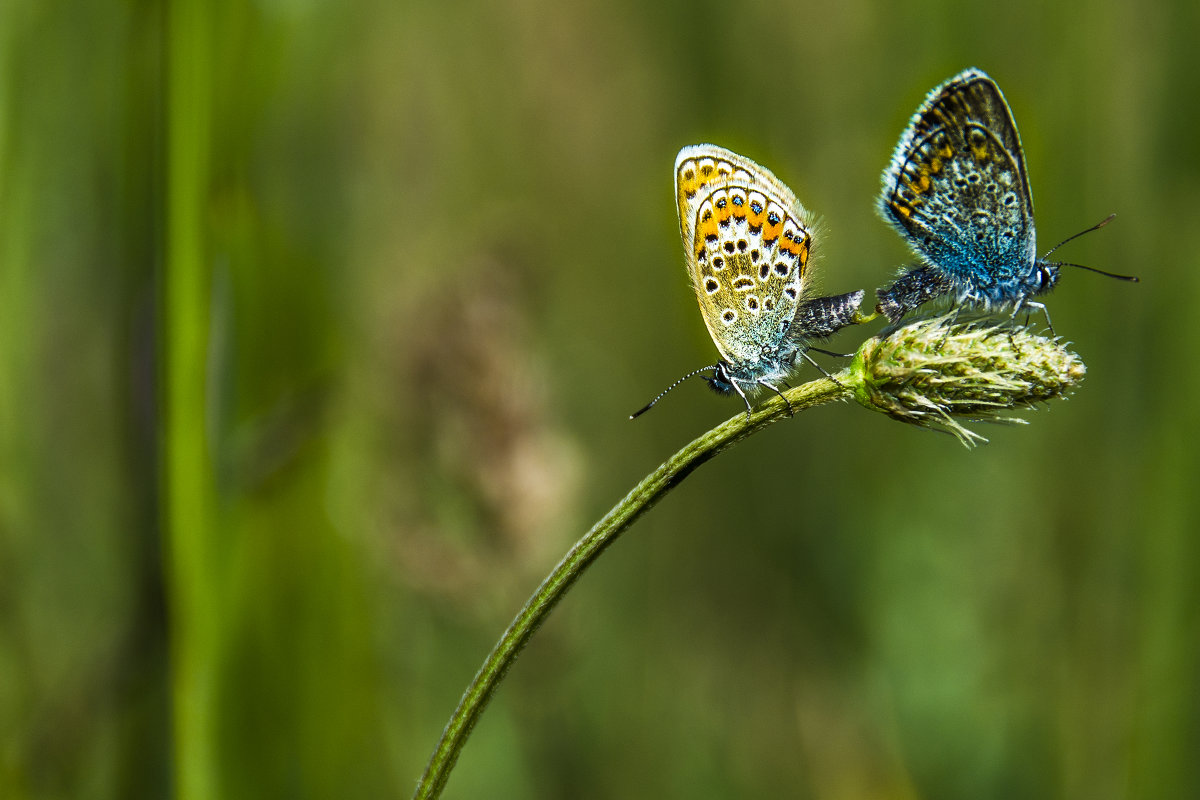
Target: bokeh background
[(319, 328)]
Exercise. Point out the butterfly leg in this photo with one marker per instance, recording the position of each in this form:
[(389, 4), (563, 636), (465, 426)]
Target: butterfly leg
[(791, 411), (738, 389), (1012, 341), (949, 326), (1030, 304), (831, 354), (809, 359)]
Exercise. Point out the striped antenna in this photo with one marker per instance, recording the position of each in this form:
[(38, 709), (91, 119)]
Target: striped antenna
[(650, 405)]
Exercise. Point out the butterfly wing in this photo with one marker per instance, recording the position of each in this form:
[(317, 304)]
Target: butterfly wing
[(748, 242), (957, 188)]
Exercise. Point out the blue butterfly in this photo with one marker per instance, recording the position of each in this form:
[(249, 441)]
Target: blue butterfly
[(958, 191)]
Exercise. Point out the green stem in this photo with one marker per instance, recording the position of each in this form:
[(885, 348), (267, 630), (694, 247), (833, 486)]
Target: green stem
[(188, 505), (585, 551)]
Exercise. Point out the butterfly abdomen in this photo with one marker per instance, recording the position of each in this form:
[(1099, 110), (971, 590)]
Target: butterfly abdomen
[(822, 317)]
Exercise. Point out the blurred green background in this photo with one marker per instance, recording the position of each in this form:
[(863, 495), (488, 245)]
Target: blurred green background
[(319, 328)]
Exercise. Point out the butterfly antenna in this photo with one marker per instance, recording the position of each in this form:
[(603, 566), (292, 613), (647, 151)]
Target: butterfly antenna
[(1130, 278), (650, 405), (1095, 227)]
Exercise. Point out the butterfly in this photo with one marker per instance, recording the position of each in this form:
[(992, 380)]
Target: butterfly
[(749, 245), (958, 191)]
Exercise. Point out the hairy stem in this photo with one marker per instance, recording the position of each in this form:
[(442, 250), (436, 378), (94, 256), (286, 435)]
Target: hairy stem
[(585, 551)]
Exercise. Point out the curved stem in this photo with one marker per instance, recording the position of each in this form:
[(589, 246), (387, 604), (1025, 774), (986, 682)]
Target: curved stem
[(604, 533)]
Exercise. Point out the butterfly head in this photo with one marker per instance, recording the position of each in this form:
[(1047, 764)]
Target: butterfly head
[(1045, 276), (721, 381)]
